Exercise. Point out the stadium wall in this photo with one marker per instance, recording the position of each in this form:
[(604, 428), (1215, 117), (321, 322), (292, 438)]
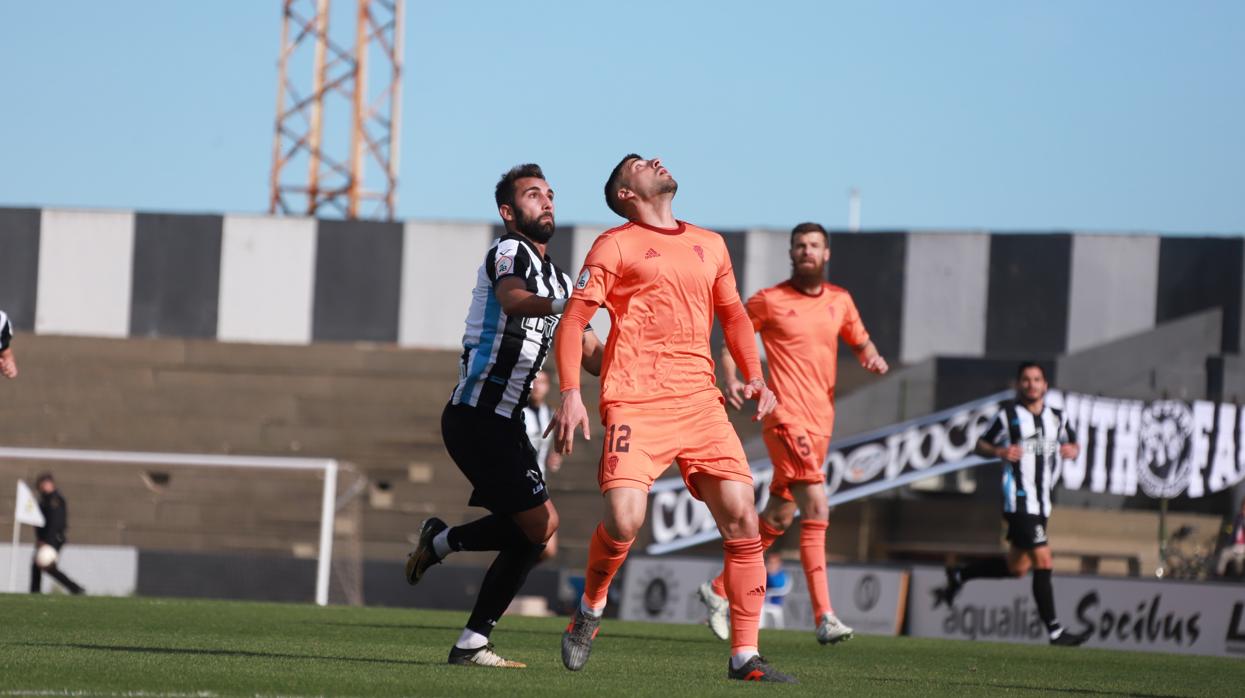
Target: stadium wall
[(296, 280)]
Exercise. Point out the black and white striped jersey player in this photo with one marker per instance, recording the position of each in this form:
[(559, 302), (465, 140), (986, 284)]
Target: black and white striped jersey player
[(504, 348), (519, 294), (1029, 437), (1027, 482)]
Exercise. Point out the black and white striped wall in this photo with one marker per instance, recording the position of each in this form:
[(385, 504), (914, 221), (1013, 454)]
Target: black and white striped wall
[(298, 280)]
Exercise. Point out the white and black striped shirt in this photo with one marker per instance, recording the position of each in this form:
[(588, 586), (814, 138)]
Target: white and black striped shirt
[(6, 331), (1027, 484), (502, 354)]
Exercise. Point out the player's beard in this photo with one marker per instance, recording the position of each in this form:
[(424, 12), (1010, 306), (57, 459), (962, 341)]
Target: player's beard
[(808, 275), (667, 186), (536, 229)]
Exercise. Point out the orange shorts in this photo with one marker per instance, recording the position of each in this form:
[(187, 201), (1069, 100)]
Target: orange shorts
[(799, 456), (641, 443)]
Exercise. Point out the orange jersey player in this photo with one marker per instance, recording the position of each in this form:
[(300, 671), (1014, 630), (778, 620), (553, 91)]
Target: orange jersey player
[(801, 321), (662, 281)]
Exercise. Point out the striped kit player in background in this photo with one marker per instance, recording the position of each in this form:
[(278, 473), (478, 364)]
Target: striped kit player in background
[(1028, 437)]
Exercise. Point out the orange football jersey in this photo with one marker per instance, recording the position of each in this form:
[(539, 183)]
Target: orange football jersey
[(801, 333), (659, 287)]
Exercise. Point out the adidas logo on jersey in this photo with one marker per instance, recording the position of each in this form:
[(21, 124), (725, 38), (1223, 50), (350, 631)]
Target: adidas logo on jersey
[(790, 313), (651, 253), (758, 591)]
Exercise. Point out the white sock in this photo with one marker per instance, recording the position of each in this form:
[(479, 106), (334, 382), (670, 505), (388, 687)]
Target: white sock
[(470, 640), (441, 544), (741, 658), (589, 610)]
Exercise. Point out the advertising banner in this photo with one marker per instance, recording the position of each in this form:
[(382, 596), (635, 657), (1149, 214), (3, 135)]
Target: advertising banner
[(663, 589), (1128, 614), (1166, 448), (856, 467)]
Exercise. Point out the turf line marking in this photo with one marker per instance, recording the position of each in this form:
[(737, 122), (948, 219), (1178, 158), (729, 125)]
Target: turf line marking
[(45, 692)]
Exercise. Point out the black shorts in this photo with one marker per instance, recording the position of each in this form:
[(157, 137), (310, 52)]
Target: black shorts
[(1026, 531), (497, 458)]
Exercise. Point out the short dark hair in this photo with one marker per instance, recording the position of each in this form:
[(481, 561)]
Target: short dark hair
[(504, 193), (44, 477), (1026, 365), (614, 183), (810, 227)]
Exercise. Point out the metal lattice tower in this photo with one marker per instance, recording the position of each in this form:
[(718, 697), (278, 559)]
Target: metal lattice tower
[(316, 175)]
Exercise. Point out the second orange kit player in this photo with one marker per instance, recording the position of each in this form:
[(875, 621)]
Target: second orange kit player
[(662, 281), (800, 321)]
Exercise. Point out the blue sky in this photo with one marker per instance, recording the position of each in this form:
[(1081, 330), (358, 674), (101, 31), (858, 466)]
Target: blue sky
[(1105, 115)]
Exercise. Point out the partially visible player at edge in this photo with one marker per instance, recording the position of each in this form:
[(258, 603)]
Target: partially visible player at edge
[(509, 329), (8, 362), (662, 280), (1027, 436), (800, 321)]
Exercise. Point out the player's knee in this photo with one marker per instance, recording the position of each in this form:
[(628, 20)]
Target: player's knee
[(817, 511), (623, 527), (740, 525)]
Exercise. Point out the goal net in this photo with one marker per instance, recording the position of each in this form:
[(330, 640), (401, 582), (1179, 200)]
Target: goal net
[(181, 524)]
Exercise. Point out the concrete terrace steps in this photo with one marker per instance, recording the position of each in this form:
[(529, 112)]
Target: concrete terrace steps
[(375, 406)]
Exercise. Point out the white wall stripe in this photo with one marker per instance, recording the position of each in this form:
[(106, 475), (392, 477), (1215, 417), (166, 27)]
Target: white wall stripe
[(944, 309), (267, 279), (85, 263), (1114, 287), (439, 264)]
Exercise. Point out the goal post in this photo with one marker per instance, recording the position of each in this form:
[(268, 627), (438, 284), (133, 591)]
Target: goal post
[(328, 466)]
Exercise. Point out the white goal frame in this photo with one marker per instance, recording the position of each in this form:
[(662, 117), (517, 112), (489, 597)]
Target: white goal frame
[(328, 504)]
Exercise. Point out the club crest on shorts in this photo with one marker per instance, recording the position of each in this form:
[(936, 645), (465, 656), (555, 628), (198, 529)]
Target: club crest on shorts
[(611, 464), (504, 265), (582, 281)]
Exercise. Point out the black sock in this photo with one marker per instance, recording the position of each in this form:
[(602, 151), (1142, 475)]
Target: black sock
[(492, 532), (1044, 595), (991, 568), (502, 581)]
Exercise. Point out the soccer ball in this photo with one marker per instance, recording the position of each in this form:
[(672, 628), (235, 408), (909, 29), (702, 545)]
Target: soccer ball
[(46, 556)]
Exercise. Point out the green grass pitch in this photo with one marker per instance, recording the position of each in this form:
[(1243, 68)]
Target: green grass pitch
[(144, 648)]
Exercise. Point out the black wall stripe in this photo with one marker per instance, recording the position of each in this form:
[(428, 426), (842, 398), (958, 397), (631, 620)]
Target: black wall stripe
[(871, 266), (176, 275), (1198, 274), (358, 281), (736, 243), (19, 265), (1028, 296)]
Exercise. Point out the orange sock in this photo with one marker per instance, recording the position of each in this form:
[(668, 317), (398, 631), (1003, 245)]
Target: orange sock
[(605, 556), (745, 587), (769, 534), (813, 557)]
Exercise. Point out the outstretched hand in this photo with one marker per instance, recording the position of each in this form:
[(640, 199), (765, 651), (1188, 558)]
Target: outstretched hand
[(756, 389), (571, 414)]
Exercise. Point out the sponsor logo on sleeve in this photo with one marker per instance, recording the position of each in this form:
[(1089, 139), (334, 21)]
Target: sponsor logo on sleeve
[(583, 278)]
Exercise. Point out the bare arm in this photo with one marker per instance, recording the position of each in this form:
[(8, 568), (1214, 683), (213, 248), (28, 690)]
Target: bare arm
[(868, 356), (8, 363), (594, 352), (734, 386), (1010, 454), (568, 347), (517, 301)]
